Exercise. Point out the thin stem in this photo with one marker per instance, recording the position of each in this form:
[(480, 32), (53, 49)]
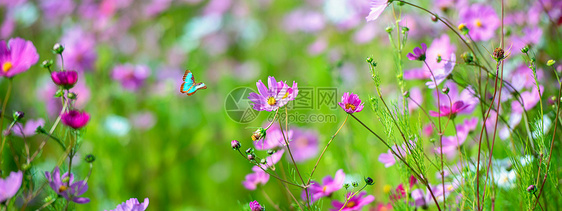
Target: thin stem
[(417, 175), (551, 147), (291, 155), (348, 198), (269, 199), (325, 148), (2, 113), (270, 174)]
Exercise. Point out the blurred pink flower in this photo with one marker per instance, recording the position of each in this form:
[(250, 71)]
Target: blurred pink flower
[(304, 144), (10, 186), (356, 202), (80, 50), (481, 20), (28, 129), (132, 204), (329, 185), (16, 56), (377, 7), (258, 177), (130, 76), (56, 10)]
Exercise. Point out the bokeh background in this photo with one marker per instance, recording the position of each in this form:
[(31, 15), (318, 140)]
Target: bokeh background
[(152, 141)]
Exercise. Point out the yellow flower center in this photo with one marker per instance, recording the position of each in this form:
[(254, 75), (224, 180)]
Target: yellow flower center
[(478, 23), (350, 204), (462, 26), (286, 95), (386, 189), (324, 188), (348, 106), (6, 66), (450, 188), (271, 101), (62, 188)]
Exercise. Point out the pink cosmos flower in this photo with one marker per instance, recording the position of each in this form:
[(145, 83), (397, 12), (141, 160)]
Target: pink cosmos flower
[(256, 206), (418, 53), (377, 7), (463, 103), (452, 143), (132, 204), (61, 187), (355, 203), (351, 103), (28, 129), (75, 119), (481, 20), (278, 95), (10, 186), (329, 186), (16, 56), (388, 159), (79, 50), (304, 144), (440, 74), (258, 177), (130, 76)]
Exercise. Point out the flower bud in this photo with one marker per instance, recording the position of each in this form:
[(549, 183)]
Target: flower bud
[(445, 90), (406, 94), (260, 133), (462, 27), (47, 64), (250, 150), (58, 48), (531, 188), (90, 158), (467, 57), (525, 49), (235, 144), (550, 62), (405, 30), (41, 130), (388, 29), (434, 18), (25, 167), (369, 181), (354, 184), (18, 115), (369, 59), (498, 54), (263, 161), (346, 185), (59, 93), (270, 152), (72, 95), (65, 79), (251, 157), (400, 3)]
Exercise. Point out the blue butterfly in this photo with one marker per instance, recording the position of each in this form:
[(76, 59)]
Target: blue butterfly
[(189, 86)]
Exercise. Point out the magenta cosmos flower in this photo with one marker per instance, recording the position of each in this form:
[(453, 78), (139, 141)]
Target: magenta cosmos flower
[(377, 7), (463, 103), (418, 53), (351, 103), (388, 159), (10, 186), (256, 206), (132, 204), (66, 79), (329, 186), (481, 20), (75, 119), (71, 192), (452, 143), (17, 56), (437, 55), (278, 95), (354, 203), (130, 76)]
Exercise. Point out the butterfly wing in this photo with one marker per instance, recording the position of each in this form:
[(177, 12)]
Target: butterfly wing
[(189, 86), (188, 81), (196, 87)]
